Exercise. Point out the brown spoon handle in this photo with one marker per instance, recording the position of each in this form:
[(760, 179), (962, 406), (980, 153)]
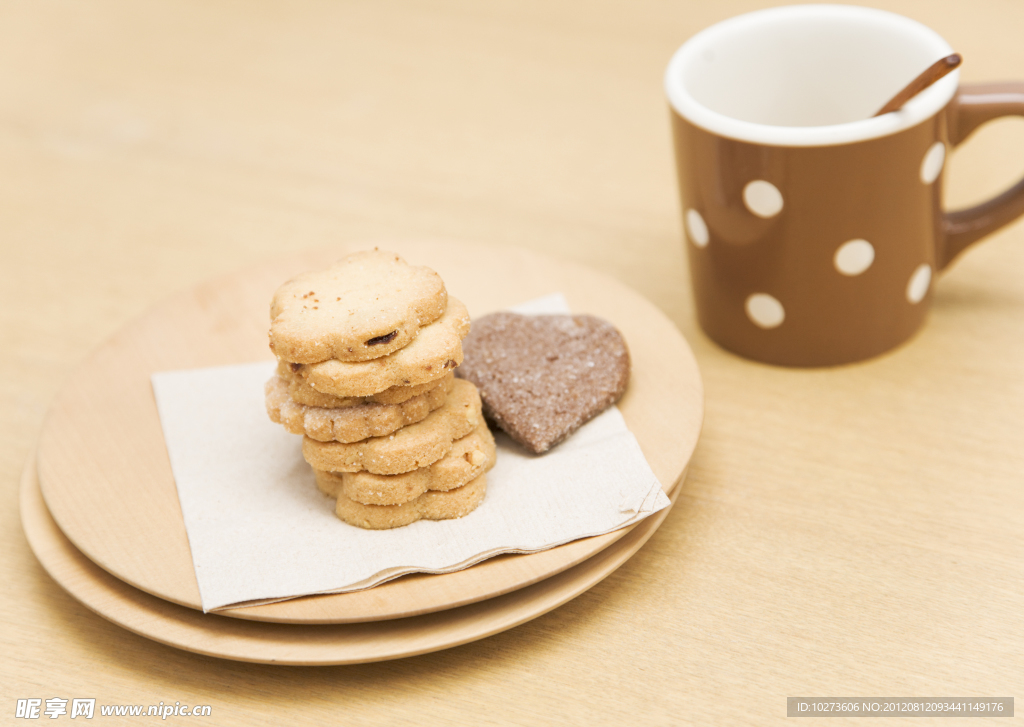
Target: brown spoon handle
[(931, 74)]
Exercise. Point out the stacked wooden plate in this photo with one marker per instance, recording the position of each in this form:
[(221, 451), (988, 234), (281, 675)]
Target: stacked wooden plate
[(101, 511)]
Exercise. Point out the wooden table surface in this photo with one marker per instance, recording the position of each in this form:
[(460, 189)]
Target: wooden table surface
[(845, 532)]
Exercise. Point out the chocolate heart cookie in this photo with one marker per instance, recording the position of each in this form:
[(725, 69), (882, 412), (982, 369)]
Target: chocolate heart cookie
[(542, 377)]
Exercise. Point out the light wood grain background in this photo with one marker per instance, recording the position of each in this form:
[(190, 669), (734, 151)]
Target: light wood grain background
[(854, 531)]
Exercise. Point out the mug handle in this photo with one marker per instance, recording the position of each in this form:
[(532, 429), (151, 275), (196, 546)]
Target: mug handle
[(973, 105)]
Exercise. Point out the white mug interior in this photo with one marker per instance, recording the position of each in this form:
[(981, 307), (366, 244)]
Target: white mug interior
[(807, 75)]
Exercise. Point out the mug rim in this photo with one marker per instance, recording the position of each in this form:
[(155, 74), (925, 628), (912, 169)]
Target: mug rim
[(923, 106)]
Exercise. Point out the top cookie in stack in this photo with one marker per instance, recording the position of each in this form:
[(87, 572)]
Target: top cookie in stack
[(367, 348), (366, 306), (393, 323)]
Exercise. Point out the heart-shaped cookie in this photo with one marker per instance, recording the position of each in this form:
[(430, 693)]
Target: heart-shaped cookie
[(542, 377)]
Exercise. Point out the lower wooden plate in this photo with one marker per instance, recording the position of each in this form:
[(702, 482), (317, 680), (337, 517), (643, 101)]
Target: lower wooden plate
[(106, 479), (306, 645)]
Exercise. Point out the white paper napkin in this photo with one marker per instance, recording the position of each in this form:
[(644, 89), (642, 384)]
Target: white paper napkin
[(260, 531)]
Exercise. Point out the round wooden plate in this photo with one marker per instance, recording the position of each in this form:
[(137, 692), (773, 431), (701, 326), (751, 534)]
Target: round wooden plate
[(307, 645), (106, 479)]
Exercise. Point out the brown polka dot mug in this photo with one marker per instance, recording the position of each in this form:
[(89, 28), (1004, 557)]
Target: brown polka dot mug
[(814, 228)]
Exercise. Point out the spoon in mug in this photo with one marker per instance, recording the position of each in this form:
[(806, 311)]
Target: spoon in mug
[(931, 74)]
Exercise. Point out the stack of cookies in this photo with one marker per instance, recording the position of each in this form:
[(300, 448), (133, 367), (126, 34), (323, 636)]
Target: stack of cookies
[(366, 353)]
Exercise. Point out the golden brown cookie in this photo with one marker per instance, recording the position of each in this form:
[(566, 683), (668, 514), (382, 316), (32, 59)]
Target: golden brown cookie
[(417, 445), (470, 457), (435, 351), (542, 377), (365, 306), (428, 506), (349, 424), (303, 393)]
